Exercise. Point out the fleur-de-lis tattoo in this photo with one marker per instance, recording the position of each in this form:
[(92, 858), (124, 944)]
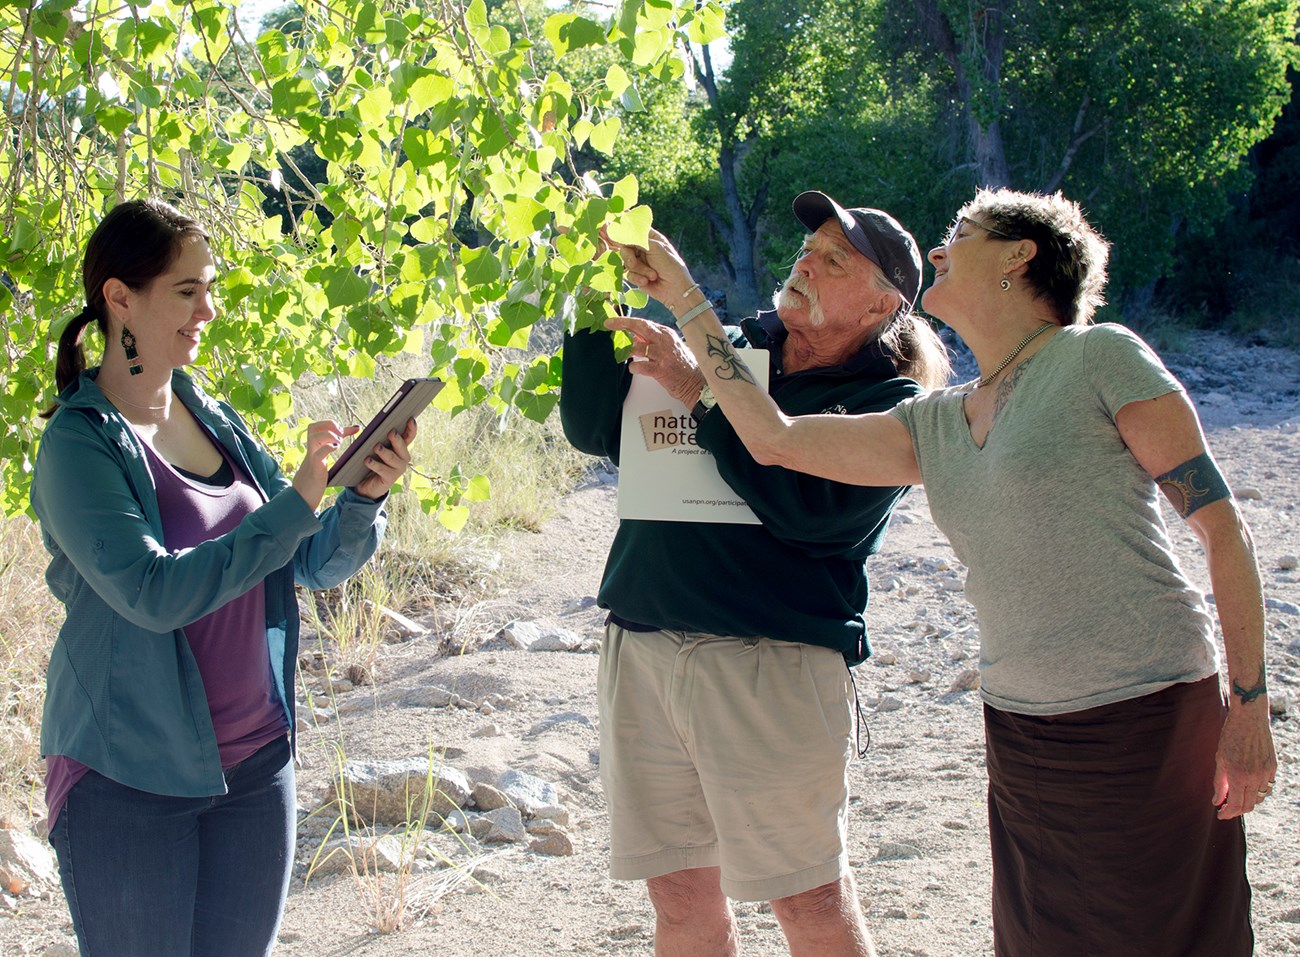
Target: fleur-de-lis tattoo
[(730, 366)]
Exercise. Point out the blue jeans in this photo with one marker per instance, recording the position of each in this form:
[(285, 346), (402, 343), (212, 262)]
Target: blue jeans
[(148, 875)]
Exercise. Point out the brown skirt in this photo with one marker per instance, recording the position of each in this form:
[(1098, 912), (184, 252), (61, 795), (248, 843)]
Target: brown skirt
[(1105, 841)]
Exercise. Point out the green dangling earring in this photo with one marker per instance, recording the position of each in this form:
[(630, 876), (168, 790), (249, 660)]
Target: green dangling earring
[(133, 363)]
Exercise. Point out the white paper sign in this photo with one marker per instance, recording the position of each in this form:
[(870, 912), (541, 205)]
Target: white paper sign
[(663, 475)]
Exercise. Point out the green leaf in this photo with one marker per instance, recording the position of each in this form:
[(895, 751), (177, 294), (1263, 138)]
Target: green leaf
[(114, 119), (617, 80), (276, 53), (481, 267), (605, 133), (568, 32), (632, 227), (523, 217), (343, 287), (454, 517), (293, 95), (536, 407), (150, 97), (626, 191), (516, 320), (479, 489), (707, 25), (26, 235), (630, 100)]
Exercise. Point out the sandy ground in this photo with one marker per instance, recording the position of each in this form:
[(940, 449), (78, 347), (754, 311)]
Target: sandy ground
[(918, 831)]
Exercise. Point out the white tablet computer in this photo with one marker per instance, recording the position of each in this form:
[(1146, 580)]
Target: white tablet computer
[(410, 399)]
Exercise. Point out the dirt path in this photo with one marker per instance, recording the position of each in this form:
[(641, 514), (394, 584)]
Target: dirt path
[(918, 832)]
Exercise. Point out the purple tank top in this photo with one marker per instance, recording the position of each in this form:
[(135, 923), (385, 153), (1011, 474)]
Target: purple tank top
[(229, 644)]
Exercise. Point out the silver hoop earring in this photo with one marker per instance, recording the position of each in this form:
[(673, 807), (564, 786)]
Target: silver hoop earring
[(1005, 284)]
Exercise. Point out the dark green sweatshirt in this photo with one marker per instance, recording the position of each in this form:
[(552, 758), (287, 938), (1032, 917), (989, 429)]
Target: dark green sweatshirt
[(800, 575)]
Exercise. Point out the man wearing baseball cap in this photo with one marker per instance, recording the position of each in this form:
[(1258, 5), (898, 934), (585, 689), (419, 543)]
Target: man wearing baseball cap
[(725, 700)]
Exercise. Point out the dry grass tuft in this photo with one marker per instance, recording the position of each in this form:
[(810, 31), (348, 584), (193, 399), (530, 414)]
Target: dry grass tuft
[(29, 621)]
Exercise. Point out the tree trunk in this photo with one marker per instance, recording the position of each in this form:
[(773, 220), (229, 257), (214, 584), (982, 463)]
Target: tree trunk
[(738, 227), (977, 68)]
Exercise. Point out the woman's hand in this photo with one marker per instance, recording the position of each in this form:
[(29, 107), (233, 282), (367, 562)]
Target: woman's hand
[(322, 438), (386, 464)]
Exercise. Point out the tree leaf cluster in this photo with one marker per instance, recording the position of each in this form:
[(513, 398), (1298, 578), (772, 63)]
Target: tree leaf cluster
[(443, 214)]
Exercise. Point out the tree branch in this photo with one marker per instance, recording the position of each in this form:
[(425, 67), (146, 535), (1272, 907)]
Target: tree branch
[(1077, 138)]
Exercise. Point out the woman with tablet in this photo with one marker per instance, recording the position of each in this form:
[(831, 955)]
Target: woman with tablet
[(175, 542)]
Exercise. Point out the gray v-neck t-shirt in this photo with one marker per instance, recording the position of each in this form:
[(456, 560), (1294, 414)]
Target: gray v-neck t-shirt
[(1080, 598)]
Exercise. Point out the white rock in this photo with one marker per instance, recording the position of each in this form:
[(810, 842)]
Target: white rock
[(1248, 493), (968, 680), (429, 696), (555, 812), (488, 798), (889, 703), (492, 730), (556, 641), (505, 825), (361, 854), (458, 820), (1287, 563), (898, 852), (555, 844), (27, 866), (529, 793), (393, 792)]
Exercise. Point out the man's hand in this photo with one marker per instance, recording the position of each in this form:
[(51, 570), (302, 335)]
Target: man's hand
[(657, 270), (657, 351)]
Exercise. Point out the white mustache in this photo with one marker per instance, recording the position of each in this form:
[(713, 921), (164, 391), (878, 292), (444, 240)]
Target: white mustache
[(797, 282)]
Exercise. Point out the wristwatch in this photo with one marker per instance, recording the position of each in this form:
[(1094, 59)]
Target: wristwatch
[(704, 404)]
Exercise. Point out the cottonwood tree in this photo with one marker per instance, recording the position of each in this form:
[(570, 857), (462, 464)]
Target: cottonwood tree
[(1142, 109), (449, 219)]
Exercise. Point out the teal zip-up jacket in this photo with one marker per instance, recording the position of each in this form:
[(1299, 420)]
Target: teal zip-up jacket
[(123, 692), (801, 574)]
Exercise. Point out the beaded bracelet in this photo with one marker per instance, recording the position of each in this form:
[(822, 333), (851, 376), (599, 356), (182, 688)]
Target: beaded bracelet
[(692, 313)]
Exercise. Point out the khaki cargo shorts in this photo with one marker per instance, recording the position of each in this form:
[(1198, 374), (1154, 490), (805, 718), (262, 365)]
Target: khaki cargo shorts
[(725, 752)]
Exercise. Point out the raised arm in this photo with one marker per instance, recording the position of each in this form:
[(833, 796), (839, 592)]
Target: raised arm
[(872, 449), (1165, 437)]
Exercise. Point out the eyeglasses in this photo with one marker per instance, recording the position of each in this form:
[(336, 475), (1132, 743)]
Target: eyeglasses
[(953, 230)]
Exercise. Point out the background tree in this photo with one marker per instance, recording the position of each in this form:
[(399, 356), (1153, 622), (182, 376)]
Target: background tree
[(425, 116), (1245, 272), (1141, 109)]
